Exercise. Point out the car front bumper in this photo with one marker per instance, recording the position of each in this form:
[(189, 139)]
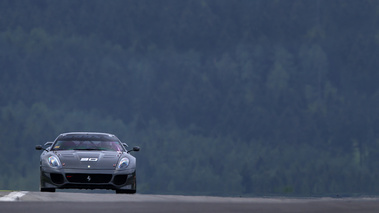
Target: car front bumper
[(88, 179)]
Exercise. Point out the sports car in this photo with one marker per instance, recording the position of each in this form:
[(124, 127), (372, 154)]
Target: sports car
[(87, 160)]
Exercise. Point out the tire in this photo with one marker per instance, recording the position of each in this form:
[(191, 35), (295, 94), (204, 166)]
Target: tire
[(128, 191), (125, 191), (47, 190)]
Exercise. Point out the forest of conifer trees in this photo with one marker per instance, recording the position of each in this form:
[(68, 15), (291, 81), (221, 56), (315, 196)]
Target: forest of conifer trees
[(223, 97)]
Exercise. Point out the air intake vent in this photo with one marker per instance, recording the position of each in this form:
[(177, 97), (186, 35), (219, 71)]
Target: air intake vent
[(120, 179), (88, 178), (57, 178)]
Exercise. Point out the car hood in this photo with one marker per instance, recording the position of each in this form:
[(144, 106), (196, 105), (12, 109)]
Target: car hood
[(74, 159)]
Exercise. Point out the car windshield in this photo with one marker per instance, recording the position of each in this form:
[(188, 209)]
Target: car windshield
[(87, 145)]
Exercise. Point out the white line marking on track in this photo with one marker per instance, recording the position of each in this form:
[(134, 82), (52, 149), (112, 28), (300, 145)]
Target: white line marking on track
[(13, 196)]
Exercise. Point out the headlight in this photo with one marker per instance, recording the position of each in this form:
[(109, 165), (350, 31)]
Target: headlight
[(123, 164), (54, 162)]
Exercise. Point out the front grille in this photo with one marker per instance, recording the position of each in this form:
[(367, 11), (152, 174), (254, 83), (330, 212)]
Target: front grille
[(88, 178), (86, 186), (56, 178)]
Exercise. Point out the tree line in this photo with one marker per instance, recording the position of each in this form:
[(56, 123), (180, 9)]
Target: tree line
[(224, 98)]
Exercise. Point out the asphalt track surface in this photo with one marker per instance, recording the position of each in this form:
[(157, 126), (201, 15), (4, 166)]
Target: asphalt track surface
[(67, 202)]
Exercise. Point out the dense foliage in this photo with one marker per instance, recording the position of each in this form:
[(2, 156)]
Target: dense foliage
[(224, 97)]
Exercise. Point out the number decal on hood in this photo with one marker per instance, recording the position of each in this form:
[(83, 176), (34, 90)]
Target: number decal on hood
[(88, 159)]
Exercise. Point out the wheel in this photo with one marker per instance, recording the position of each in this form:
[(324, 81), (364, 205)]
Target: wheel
[(129, 191), (47, 190), (125, 191)]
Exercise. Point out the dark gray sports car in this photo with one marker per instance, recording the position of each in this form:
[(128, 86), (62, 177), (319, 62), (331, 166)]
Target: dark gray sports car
[(87, 160)]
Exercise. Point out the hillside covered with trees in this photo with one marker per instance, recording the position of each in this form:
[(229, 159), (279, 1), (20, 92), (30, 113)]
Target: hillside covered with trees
[(223, 97)]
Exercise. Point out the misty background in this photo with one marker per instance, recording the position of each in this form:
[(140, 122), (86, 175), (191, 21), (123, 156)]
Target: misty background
[(248, 97)]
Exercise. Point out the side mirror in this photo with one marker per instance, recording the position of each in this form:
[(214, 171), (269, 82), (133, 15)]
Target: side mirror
[(39, 147), (135, 149)]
